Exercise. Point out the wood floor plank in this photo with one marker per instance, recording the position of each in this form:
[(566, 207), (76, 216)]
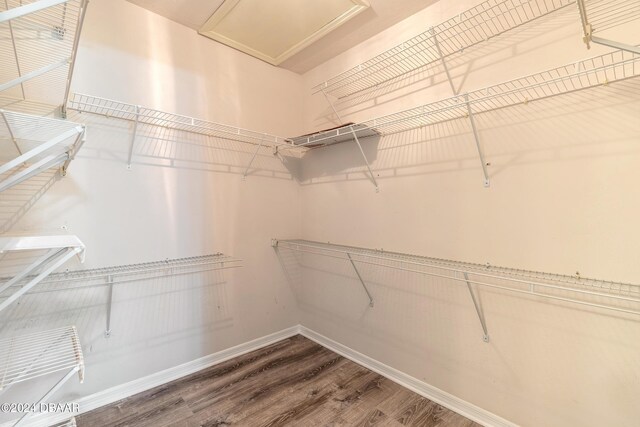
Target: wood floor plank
[(294, 382)]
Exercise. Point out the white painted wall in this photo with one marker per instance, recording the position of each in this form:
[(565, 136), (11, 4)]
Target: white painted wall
[(183, 197), (562, 200)]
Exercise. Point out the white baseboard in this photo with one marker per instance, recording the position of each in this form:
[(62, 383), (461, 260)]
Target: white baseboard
[(434, 394), (122, 391)]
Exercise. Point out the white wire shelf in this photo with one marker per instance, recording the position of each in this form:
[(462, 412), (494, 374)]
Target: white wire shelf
[(599, 16), (149, 116), (588, 73), (615, 296), (38, 43), (473, 26), (51, 253), (122, 274), (29, 356), (39, 143)]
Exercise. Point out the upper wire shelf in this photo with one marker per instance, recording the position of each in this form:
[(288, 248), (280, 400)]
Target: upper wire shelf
[(25, 357), (473, 26), (149, 116), (588, 73), (38, 45), (616, 296)]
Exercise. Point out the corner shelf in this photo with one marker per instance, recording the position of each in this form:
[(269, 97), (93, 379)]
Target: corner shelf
[(41, 143), (41, 45), (614, 296), (58, 250), (473, 26), (596, 71), (29, 356)]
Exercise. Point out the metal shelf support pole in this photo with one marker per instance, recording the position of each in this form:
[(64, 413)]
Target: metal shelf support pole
[(107, 332), (477, 140), (133, 137), (50, 393), (355, 137), (255, 153), (74, 54), (361, 280), (444, 62), (485, 336)]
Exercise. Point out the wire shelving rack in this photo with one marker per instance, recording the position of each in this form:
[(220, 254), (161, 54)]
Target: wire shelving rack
[(608, 295), (473, 26), (29, 356), (38, 47), (40, 143), (123, 274), (57, 250)]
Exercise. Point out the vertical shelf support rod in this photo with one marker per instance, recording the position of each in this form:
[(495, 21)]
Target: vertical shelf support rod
[(485, 336), (444, 62), (255, 153), (361, 280), (133, 137), (107, 332), (355, 137), (477, 140)]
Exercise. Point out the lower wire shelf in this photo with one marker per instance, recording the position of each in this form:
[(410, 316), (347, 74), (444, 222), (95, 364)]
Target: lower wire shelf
[(29, 356), (609, 295)]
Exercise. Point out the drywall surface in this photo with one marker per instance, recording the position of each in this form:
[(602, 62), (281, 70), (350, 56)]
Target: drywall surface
[(184, 196), (562, 199)]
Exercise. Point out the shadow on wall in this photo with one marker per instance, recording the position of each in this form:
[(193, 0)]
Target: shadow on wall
[(557, 129)]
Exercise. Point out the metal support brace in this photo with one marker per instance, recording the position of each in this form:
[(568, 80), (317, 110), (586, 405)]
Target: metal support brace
[(41, 165), (80, 140), (107, 332), (361, 281), (133, 136), (13, 137), (255, 153), (588, 36), (58, 258), (477, 139), (485, 336), (74, 53), (50, 393), (444, 62), (616, 45), (355, 137), (33, 74)]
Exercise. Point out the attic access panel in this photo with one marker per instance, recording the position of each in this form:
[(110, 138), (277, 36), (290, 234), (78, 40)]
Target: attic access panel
[(335, 135), (275, 30)]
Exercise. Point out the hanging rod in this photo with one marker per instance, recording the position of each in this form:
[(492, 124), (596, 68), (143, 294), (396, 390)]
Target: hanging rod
[(473, 26), (41, 45), (29, 356), (149, 116), (588, 73), (40, 143), (615, 296)]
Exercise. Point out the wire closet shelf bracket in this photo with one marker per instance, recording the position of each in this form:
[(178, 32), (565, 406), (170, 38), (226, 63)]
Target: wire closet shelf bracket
[(607, 295), (598, 16)]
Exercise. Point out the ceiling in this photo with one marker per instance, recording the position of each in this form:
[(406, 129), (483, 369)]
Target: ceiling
[(370, 21)]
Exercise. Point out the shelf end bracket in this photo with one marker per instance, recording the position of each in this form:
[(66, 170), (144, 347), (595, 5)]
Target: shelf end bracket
[(361, 280), (485, 334), (477, 140)]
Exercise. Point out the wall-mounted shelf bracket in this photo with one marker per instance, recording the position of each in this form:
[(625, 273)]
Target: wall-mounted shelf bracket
[(107, 331), (255, 153), (477, 140), (355, 138), (133, 136), (442, 58), (364, 286), (59, 249), (587, 28), (485, 334)]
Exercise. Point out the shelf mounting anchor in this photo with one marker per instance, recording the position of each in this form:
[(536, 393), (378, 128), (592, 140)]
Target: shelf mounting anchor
[(133, 137), (477, 140), (355, 137), (485, 336), (361, 280)]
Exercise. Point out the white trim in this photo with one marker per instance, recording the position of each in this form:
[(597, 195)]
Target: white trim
[(122, 391), (441, 397)]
